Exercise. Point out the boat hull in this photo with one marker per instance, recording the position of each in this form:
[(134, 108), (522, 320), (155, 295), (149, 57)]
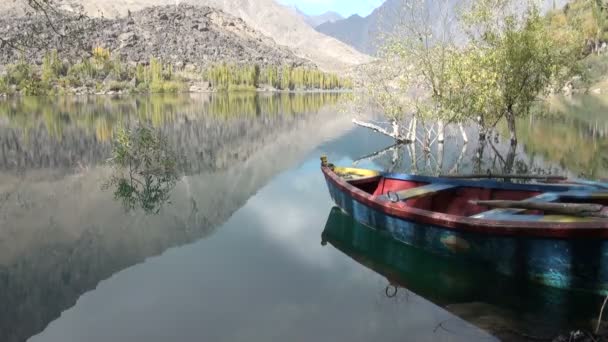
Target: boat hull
[(576, 264)]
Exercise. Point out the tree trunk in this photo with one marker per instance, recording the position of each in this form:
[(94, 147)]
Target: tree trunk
[(465, 137), (395, 125), (478, 159), (414, 157), (394, 134), (510, 161), (441, 132), (440, 152), (413, 130), (511, 123), (482, 128)]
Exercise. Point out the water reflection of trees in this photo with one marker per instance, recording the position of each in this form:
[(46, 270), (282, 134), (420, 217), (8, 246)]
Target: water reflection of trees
[(564, 135), (572, 133), (102, 115), (48, 260), (77, 131), (145, 169), (457, 157)]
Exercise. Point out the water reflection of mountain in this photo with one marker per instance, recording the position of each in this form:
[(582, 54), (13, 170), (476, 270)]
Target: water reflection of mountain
[(210, 131), (504, 306), (60, 235)]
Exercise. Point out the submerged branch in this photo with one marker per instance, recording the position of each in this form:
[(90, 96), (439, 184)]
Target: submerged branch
[(395, 135), (378, 154)]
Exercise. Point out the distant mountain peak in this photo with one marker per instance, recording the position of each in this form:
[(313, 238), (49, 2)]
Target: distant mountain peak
[(316, 20)]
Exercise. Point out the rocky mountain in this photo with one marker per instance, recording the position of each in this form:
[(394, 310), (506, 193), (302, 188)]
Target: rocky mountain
[(268, 17), (354, 31), (366, 33), (181, 35), (316, 20)]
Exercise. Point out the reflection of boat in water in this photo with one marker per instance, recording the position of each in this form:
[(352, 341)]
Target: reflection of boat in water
[(472, 292), (457, 218)]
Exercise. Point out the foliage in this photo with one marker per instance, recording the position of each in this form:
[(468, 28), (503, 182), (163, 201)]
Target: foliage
[(508, 60), (246, 77), (519, 59), (83, 70), (52, 67), (165, 87), (145, 169), (17, 73), (118, 86), (3, 85), (101, 55), (589, 17), (102, 72), (594, 69)]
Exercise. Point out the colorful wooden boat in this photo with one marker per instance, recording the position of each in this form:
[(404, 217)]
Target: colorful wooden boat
[(437, 215)]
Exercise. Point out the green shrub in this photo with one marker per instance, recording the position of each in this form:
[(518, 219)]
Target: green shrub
[(142, 88), (241, 87), (18, 73), (173, 87), (595, 68), (166, 87), (118, 86), (84, 70), (3, 85), (52, 67), (34, 87)]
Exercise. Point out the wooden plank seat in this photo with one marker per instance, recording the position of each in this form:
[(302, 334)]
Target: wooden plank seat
[(421, 191), (507, 214)]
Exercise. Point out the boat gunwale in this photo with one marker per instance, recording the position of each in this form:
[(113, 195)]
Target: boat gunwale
[(490, 227)]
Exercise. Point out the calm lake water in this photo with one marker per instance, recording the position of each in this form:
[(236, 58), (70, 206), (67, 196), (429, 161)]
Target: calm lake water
[(248, 246)]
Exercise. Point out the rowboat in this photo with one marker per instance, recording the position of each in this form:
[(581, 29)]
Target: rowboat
[(458, 218)]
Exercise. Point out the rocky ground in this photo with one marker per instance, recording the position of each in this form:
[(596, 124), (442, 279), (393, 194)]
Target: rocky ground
[(181, 35)]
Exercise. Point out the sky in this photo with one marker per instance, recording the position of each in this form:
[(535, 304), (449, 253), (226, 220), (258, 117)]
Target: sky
[(345, 7)]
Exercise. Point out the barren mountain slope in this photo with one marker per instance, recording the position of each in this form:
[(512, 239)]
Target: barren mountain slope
[(270, 18), (181, 35)]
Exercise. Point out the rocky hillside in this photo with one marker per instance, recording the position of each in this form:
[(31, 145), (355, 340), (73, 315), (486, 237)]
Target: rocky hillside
[(179, 35), (270, 18), (366, 33)]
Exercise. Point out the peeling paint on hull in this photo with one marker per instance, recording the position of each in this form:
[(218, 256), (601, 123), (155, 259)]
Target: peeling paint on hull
[(575, 264)]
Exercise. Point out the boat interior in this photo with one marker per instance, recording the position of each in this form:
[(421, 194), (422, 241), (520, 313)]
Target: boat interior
[(454, 199)]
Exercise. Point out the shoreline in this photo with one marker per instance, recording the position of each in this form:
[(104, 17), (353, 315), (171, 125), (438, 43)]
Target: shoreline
[(210, 92)]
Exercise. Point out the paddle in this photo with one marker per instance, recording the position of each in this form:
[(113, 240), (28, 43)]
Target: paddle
[(572, 209)]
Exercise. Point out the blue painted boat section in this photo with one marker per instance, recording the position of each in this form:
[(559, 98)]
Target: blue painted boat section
[(591, 183), (580, 264), (489, 183)]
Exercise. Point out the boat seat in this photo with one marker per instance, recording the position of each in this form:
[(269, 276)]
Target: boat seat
[(425, 190), (507, 214)]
